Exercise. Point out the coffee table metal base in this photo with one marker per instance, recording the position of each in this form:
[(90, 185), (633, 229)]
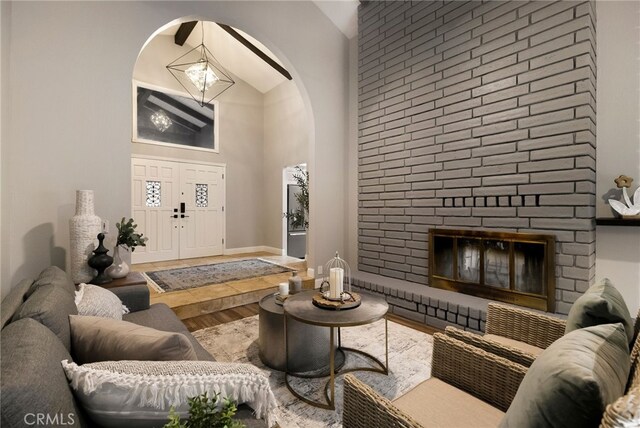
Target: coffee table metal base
[(337, 369)]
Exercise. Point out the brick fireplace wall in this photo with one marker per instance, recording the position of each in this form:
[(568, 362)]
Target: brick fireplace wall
[(476, 115)]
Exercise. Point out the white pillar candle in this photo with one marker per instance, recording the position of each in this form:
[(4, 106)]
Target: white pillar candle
[(336, 278), (283, 288)]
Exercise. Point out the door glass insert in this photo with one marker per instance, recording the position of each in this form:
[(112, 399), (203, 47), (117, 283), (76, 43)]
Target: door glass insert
[(529, 267), (153, 193), (202, 195), (443, 258)]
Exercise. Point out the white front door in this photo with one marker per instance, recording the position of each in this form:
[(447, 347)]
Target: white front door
[(179, 207), (202, 231)]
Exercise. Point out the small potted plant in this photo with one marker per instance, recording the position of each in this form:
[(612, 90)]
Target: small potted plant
[(127, 239), (206, 412)]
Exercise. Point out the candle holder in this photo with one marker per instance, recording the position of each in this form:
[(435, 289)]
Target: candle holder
[(337, 278)]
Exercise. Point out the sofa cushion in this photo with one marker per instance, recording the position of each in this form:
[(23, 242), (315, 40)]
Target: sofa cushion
[(161, 317), (103, 339), (140, 393), (435, 403), (573, 380), (53, 275), (13, 301), (51, 306), (32, 379), (93, 300), (602, 303)]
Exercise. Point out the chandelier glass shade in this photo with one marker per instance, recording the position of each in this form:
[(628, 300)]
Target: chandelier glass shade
[(200, 74), (161, 120)]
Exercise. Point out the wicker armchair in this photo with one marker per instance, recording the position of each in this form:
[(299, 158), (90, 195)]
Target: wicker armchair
[(513, 333), (462, 373), (485, 382)]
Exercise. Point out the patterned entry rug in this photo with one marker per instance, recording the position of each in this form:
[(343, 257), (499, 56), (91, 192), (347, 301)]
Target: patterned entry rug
[(217, 273), (409, 364)]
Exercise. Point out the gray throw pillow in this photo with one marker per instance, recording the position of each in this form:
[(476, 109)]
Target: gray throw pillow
[(33, 381), (602, 303), (97, 339), (55, 276), (51, 306), (571, 383)]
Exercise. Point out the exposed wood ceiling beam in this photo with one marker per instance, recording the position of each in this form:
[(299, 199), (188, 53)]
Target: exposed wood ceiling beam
[(280, 69), (184, 31)]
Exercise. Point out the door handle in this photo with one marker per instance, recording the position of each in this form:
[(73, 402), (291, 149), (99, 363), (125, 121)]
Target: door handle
[(174, 216), (183, 216)]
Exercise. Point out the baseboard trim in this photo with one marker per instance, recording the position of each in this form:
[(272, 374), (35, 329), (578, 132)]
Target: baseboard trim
[(256, 249)]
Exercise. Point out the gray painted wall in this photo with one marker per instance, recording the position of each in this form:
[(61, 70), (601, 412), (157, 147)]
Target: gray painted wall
[(477, 115), (5, 34), (618, 149), (71, 126), (286, 143)]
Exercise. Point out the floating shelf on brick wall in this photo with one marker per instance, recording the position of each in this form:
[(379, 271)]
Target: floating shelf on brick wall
[(609, 221)]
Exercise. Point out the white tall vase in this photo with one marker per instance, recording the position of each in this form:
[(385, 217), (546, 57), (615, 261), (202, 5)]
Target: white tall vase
[(83, 229)]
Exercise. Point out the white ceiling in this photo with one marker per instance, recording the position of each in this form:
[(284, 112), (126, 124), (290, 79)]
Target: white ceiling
[(343, 14), (233, 55)]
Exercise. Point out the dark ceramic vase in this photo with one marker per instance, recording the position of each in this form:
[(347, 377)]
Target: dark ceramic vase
[(100, 261)]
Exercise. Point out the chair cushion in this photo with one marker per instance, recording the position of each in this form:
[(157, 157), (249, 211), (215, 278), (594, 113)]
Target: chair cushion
[(140, 393), (573, 380), (95, 301), (602, 303), (33, 380), (105, 339), (624, 412), (13, 301), (51, 306), (435, 403), (161, 317), (55, 276)]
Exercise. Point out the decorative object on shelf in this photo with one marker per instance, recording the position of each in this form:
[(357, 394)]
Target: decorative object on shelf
[(161, 120), (83, 228), (347, 301), (127, 238), (299, 217), (339, 280), (628, 208), (295, 283), (100, 261), (200, 74)]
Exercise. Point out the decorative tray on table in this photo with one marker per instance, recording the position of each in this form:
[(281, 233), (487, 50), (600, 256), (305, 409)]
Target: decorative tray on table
[(345, 301)]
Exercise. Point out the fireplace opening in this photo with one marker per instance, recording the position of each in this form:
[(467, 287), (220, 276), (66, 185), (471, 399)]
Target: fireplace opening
[(511, 267)]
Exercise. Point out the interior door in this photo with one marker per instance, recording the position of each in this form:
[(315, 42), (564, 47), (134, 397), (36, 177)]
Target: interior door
[(202, 228), (155, 193), (296, 237)]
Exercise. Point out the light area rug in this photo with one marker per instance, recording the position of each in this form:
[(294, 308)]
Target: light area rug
[(409, 364), (216, 273)]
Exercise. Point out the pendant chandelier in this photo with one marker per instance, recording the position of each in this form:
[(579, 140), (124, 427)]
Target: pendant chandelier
[(200, 74)]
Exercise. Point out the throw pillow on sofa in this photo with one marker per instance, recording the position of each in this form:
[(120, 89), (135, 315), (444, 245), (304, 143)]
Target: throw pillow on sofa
[(602, 303), (53, 275), (140, 393), (51, 306), (571, 383), (96, 301), (104, 339)]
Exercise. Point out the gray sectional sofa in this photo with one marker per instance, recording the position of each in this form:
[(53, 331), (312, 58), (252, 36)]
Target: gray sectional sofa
[(35, 338)]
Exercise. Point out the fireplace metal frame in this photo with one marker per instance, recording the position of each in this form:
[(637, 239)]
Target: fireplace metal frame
[(545, 301)]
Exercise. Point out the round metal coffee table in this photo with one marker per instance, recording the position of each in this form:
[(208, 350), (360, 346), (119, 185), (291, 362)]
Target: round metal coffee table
[(308, 348), (301, 308)]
